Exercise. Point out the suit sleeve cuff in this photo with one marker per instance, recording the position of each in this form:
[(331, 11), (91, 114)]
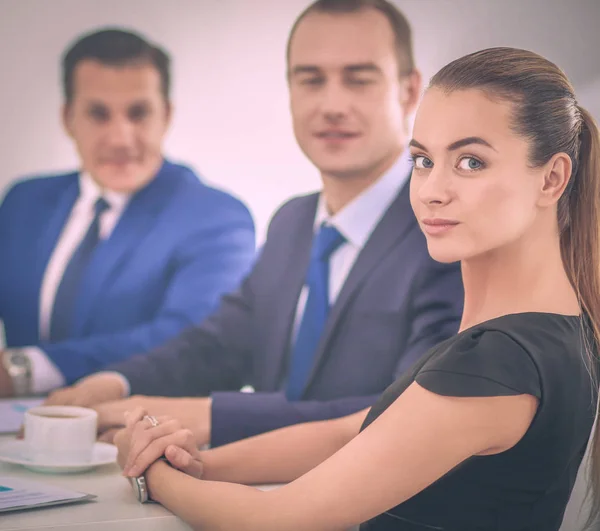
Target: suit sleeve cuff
[(45, 376), (237, 415)]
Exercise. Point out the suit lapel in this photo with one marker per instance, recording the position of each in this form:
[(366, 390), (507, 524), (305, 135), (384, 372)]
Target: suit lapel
[(391, 229), (58, 210), (136, 221), (294, 258), (59, 213)]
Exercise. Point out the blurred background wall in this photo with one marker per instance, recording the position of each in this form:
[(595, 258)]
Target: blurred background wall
[(232, 122)]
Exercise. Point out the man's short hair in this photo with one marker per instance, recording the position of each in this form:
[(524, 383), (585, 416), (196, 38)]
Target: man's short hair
[(398, 22), (114, 47)]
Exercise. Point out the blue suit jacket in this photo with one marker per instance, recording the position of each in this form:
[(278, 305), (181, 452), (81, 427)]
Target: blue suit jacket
[(395, 304), (177, 247)]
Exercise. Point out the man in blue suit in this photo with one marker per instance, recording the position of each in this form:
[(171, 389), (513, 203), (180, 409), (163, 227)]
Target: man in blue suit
[(116, 258), (344, 296)]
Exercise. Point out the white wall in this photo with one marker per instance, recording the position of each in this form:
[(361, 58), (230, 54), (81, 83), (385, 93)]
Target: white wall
[(232, 122)]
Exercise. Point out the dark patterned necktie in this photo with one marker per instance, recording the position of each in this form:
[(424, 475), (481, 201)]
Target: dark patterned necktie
[(64, 303)]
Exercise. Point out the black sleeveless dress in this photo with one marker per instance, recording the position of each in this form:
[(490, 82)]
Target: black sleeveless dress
[(527, 487)]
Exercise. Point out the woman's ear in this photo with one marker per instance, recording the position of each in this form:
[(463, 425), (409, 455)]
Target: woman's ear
[(556, 176)]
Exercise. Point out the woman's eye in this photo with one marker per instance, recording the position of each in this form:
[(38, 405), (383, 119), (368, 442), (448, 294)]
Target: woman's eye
[(422, 163), (470, 164)]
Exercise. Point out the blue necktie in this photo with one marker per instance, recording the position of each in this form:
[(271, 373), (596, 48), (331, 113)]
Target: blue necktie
[(68, 289), (315, 314)]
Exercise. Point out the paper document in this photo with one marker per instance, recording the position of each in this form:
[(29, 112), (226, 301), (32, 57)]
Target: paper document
[(17, 494), (12, 412)]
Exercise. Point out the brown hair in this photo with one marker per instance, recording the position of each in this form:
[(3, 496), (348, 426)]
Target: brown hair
[(546, 113), (398, 22)]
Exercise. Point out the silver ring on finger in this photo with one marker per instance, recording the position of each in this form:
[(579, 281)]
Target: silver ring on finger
[(152, 420)]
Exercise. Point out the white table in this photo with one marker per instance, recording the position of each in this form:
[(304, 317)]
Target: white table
[(114, 509)]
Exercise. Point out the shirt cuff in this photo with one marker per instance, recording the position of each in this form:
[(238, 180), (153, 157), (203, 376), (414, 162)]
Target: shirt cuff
[(45, 376), (124, 382)]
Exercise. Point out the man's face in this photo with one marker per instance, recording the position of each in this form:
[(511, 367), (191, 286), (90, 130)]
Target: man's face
[(118, 118), (349, 102)]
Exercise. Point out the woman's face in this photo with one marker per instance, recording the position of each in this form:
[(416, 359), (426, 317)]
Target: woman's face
[(472, 189)]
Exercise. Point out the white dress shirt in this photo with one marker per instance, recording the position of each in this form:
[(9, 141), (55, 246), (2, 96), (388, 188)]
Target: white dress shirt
[(45, 375)]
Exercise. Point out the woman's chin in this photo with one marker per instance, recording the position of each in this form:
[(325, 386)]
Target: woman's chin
[(444, 256)]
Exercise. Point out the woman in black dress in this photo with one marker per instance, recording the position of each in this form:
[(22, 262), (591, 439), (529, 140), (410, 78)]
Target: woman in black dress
[(486, 431)]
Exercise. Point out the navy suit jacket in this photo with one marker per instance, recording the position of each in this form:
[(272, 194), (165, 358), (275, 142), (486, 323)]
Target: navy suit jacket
[(177, 247), (395, 304)]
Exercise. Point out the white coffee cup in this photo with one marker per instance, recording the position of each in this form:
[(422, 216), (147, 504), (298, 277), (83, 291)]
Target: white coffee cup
[(60, 434)]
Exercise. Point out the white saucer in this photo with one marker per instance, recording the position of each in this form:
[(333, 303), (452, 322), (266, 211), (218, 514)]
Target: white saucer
[(16, 452)]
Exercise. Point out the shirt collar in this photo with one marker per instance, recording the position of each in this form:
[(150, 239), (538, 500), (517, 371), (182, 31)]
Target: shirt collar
[(90, 191), (358, 219)]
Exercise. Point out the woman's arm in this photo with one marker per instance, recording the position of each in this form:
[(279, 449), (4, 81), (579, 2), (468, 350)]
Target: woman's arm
[(418, 439), (279, 456), (282, 455)]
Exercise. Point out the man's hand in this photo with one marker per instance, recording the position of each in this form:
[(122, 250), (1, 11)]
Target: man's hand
[(6, 385), (95, 389), (193, 414), (140, 444)]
